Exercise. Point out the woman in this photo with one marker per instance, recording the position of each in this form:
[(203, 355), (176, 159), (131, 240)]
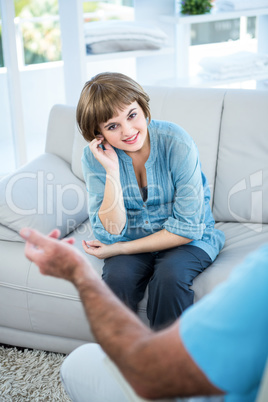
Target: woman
[(148, 199)]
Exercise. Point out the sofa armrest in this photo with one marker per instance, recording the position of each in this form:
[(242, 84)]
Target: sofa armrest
[(44, 195), (7, 234)]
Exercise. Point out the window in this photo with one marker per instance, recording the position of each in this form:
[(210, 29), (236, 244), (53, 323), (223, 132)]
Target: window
[(38, 27), (41, 76), (222, 31), (41, 83), (105, 10), (1, 46), (7, 156), (37, 31)]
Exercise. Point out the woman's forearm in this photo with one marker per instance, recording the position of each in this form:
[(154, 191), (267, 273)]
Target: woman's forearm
[(161, 240), (112, 212)]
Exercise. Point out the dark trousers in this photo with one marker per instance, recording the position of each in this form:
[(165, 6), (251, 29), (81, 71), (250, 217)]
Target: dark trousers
[(168, 274)]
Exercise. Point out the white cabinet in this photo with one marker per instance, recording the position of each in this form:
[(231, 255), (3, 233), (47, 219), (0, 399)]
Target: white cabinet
[(183, 32)]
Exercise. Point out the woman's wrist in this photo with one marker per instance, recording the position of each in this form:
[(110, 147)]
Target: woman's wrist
[(123, 247), (114, 173)]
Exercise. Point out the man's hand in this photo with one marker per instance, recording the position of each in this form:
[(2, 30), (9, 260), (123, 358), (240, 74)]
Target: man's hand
[(101, 250), (54, 257)]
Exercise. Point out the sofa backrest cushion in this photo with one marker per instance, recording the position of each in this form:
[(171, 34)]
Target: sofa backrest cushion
[(79, 144), (242, 172), (60, 132), (198, 111)]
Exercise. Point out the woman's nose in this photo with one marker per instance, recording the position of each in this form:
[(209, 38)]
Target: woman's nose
[(127, 128)]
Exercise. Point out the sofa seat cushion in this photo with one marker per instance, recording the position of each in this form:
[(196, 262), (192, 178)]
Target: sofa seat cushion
[(241, 239)]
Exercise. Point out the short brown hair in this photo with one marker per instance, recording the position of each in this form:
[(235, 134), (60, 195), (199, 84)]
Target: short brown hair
[(103, 96)]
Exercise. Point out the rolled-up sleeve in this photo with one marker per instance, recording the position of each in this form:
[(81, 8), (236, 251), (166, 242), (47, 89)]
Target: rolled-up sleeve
[(95, 178), (188, 214)]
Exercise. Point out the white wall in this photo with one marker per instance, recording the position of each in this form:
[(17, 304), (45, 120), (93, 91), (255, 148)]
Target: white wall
[(42, 87), (7, 159)]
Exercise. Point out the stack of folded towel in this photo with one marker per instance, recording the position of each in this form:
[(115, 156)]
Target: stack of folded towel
[(237, 65), (116, 36), (235, 5)]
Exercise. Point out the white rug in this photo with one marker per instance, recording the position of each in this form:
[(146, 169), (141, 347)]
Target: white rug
[(30, 376)]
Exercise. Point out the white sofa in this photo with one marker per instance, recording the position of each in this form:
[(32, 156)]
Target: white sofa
[(230, 128)]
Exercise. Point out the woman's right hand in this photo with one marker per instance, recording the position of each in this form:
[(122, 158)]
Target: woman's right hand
[(107, 157)]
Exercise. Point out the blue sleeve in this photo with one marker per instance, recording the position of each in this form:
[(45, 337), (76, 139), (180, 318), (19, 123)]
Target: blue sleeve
[(95, 178), (226, 333), (188, 214)]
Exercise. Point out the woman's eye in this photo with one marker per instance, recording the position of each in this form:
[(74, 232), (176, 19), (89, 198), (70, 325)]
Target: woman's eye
[(112, 127), (132, 115)]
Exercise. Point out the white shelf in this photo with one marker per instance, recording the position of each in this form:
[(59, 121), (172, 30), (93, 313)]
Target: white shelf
[(183, 23), (77, 62), (213, 16), (200, 82), (128, 54)]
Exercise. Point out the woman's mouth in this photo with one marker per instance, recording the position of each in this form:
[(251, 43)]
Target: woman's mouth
[(132, 140)]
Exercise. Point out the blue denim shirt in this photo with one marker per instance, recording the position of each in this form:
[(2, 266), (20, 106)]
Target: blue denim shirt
[(178, 193)]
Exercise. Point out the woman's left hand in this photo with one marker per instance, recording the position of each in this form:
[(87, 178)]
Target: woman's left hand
[(101, 250)]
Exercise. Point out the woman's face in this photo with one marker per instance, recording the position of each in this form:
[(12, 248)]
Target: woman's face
[(127, 130)]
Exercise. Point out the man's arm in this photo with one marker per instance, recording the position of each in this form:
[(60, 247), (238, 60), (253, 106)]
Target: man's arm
[(155, 364)]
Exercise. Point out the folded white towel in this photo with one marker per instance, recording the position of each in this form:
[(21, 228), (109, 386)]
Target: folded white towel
[(236, 65), (99, 30), (235, 5), (115, 36), (238, 75)]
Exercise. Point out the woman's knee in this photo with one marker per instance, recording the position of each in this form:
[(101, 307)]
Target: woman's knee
[(178, 266), (168, 276), (127, 271)]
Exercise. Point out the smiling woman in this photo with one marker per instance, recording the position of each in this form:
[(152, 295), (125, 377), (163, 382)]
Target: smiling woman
[(148, 199)]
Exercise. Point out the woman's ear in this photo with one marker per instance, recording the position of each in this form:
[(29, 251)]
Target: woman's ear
[(97, 132)]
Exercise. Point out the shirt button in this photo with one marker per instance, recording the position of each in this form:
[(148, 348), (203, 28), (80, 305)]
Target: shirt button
[(144, 206), (146, 222)]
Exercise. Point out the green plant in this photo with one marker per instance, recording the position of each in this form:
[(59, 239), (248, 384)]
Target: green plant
[(194, 7)]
